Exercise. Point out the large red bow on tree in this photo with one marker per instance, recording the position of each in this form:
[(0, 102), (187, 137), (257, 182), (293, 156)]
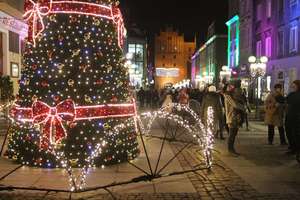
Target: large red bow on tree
[(52, 118)]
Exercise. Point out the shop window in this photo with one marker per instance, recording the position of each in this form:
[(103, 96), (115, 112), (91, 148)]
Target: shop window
[(258, 49), (280, 43), (269, 8), (14, 70), (14, 42), (259, 12)]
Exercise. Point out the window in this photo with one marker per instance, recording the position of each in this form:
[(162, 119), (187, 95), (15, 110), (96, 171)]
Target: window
[(293, 39), (269, 8), (258, 49), (293, 3), (280, 43), (14, 70), (259, 12), (14, 44), (293, 7), (281, 6), (131, 48), (268, 47)]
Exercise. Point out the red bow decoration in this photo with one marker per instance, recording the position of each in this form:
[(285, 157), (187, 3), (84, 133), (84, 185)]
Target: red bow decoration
[(34, 15), (52, 119), (35, 12)]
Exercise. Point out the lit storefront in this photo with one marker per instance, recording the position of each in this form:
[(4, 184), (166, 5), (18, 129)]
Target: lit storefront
[(136, 58), (12, 34)]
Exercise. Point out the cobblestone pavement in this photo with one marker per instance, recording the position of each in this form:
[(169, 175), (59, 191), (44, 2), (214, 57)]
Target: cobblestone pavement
[(219, 183)]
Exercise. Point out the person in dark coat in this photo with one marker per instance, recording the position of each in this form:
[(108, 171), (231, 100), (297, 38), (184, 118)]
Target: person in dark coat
[(141, 97), (292, 123), (213, 99), (234, 113), (155, 99)]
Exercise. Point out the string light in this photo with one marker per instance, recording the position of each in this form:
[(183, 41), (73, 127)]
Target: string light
[(38, 11)]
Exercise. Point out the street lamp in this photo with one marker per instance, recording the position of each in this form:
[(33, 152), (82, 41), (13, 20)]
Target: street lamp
[(208, 77), (258, 68), (225, 74)]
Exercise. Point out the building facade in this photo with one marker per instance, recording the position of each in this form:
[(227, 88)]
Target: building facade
[(267, 28), (172, 58), (207, 62), (246, 37), (12, 33), (284, 65)]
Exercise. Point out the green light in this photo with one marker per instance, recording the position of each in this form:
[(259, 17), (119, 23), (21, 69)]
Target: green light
[(233, 20), (228, 46), (237, 42)]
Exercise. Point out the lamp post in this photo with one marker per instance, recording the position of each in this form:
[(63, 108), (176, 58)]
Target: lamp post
[(208, 77), (258, 68), (225, 74)]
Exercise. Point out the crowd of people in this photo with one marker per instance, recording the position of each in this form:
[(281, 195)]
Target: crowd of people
[(284, 113), (231, 109)]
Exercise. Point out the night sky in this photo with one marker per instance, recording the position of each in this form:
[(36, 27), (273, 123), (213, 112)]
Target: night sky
[(188, 16)]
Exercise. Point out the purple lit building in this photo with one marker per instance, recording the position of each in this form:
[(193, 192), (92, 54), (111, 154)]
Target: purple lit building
[(267, 28), (284, 65)]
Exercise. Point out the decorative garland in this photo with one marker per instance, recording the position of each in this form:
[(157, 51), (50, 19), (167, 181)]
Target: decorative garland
[(52, 118), (37, 11)]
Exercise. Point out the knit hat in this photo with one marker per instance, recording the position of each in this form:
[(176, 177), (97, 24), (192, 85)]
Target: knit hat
[(212, 88)]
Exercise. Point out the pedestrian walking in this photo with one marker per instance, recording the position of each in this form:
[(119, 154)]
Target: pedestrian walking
[(183, 97), (248, 110), (155, 100), (233, 110), (274, 114), (222, 93), (213, 99), (167, 104), (148, 98), (141, 97), (292, 122)]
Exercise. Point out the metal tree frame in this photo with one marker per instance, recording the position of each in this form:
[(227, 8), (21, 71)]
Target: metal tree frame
[(189, 123)]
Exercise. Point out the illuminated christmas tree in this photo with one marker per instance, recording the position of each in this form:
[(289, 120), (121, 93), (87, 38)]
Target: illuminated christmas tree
[(74, 85)]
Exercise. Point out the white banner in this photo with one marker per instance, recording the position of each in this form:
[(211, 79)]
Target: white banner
[(167, 72)]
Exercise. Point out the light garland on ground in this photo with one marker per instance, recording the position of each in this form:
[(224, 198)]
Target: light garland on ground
[(205, 139)]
